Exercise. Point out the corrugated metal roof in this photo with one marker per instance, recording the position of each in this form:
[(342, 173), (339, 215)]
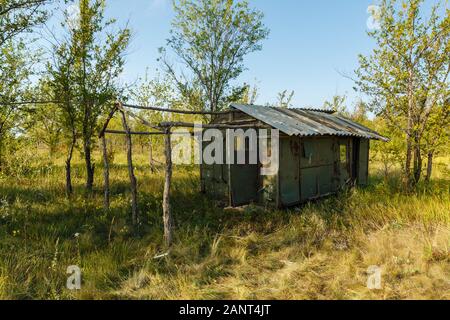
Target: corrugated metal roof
[(308, 122)]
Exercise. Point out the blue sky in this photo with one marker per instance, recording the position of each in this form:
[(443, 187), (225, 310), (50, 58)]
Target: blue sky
[(310, 44)]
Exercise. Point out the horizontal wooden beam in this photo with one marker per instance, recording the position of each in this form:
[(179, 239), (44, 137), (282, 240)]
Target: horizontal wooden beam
[(176, 110), (142, 133), (212, 126), (28, 102), (135, 116), (105, 125)]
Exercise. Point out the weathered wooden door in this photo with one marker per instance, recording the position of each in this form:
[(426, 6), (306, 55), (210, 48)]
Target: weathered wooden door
[(363, 162), (289, 171), (244, 180), (317, 164)]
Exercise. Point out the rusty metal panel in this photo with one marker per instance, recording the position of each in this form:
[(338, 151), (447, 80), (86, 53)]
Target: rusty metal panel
[(307, 150), (324, 151), (215, 180), (317, 167), (316, 152), (363, 162), (244, 183), (289, 171), (245, 180), (324, 179), (308, 183)]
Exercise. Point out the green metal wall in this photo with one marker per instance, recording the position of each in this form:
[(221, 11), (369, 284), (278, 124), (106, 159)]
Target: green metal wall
[(363, 162), (309, 168), (289, 173), (313, 167)]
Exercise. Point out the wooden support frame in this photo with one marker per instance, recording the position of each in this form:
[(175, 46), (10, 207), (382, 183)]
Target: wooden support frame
[(142, 133), (135, 116), (167, 214), (212, 126), (176, 110), (108, 119), (163, 128), (106, 201), (133, 182), (230, 177)]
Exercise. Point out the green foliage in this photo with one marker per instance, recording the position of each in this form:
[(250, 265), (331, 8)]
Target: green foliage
[(338, 105), (211, 38), (318, 251), (85, 74), (249, 95), (284, 99), (14, 74), (97, 61), (43, 120), (406, 75), (20, 16)]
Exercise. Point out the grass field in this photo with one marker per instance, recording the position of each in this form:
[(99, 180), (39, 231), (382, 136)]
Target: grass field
[(319, 251)]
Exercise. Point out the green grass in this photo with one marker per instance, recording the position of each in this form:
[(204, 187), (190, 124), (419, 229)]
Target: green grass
[(319, 251)]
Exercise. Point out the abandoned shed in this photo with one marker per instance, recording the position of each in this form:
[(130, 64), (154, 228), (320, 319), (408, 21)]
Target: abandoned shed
[(319, 154)]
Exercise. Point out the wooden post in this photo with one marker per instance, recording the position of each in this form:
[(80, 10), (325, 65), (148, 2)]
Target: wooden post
[(152, 163), (105, 172), (167, 216), (134, 209)]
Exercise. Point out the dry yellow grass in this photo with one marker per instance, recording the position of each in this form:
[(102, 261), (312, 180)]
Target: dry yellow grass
[(319, 251)]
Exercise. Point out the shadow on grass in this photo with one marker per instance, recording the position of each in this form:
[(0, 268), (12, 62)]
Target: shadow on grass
[(47, 209)]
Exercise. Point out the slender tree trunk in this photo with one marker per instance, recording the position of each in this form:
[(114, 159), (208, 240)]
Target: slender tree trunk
[(1, 155), (87, 127), (417, 160), (90, 167), (409, 150), (417, 165), (51, 151), (167, 215), (69, 187), (409, 131), (429, 166), (150, 154), (105, 172)]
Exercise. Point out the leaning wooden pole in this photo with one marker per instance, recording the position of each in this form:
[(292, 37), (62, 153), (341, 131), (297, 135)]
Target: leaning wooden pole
[(105, 173), (150, 154), (167, 215), (133, 183)]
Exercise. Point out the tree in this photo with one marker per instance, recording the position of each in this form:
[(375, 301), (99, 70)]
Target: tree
[(407, 73), (13, 76), (98, 59), (17, 17), (437, 134), (20, 16), (338, 105), (249, 95), (62, 76), (43, 121), (359, 114), (284, 99), (152, 92), (211, 39)]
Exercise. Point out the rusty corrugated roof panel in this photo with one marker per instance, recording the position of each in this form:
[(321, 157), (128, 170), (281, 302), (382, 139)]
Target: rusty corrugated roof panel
[(308, 122)]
